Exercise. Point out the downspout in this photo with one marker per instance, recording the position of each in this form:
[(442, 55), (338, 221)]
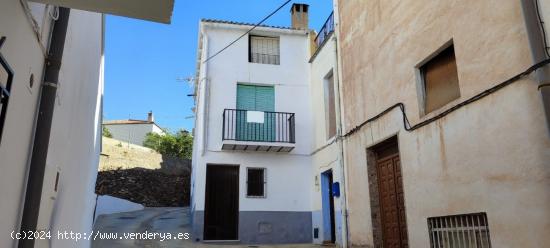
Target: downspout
[(339, 141), (39, 154), (539, 52)]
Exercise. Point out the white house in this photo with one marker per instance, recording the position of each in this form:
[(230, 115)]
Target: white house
[(133, 131), (254, 180), (51, 89)]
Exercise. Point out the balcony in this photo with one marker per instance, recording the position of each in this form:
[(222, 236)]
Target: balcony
[(326, 30), (245, 130)]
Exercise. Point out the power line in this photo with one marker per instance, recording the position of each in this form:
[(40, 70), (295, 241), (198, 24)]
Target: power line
[(407, 125), (247, 32)]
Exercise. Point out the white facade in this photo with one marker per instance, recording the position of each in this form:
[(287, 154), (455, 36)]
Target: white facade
[(326, 156), (68, 199), (133, 133), (75, 134), (287, 184)]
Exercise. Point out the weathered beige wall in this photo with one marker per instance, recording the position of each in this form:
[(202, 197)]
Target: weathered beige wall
[(492, 156)]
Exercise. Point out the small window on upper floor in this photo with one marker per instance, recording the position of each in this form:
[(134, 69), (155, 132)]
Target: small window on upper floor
[(330, 105), (440, 80), (264, 50)]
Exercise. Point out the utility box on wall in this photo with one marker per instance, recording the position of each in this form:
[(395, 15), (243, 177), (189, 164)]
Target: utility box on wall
[(336, 189)]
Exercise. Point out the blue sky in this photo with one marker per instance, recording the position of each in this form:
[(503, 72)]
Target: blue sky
[(144, 59)]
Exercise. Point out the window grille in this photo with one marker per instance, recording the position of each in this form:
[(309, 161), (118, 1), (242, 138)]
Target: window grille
[(459, 231), (256, 181), (264, 50), (6, 77)]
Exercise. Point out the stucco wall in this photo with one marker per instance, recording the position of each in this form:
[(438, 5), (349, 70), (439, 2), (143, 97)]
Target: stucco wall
[(491, 156), (24, 54), (290, 79), (74, 144), (325, 159), (132, 133), (75, 141), (286, 172)]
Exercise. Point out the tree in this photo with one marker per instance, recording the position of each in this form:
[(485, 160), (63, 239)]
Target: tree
[(107, 133), (179, 145)]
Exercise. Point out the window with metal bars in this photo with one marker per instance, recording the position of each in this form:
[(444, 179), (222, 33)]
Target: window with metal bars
[(256, 180), (264, 50), (464, 231), (6, 77)]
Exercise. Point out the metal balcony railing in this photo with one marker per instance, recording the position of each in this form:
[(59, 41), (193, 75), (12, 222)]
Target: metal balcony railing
[(325, 31), (258, 126)]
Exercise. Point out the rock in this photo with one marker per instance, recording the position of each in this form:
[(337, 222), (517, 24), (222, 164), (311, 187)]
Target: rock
[(151, 188)]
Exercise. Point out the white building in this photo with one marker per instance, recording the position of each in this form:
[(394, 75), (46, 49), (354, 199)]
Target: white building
[(49, 165), (133, 131), (254, 178)]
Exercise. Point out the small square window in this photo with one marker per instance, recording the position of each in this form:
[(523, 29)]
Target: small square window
[(256, 180), (440, 80), (264, 50)]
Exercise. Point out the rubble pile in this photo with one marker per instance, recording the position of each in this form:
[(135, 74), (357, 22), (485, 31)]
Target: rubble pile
[(151, 188)]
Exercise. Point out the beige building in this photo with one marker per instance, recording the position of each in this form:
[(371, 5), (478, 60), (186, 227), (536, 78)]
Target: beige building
[(470, 166)]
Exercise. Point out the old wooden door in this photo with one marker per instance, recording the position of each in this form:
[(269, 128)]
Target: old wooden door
[(392, 205), (221, 217)]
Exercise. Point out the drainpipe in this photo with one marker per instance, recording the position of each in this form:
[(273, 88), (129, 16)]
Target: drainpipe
[(339, 141), (539, 52), (39, 154)]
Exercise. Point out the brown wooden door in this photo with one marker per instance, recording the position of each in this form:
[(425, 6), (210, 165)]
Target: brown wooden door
[(221, 214), (392, 204)]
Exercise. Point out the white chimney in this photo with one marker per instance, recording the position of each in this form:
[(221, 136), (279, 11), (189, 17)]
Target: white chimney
[(150, 117)]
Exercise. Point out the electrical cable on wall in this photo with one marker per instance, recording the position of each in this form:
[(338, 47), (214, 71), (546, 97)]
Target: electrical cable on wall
[(406, 124), (247, 32)]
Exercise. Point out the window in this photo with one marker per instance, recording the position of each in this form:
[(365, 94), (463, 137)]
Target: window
[(440, 80), (256, 180), (264, 50), (466, 230), (330, 107), (251, 98)]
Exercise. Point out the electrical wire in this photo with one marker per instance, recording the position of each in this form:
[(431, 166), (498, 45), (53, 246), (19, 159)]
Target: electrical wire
[(406, 124), (247, 32), (542, 28)]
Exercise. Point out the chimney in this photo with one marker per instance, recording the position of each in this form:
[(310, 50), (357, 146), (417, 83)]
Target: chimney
[(150, 117), (299, 15)]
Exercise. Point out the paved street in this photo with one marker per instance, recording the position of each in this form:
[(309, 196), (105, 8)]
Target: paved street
[(155, 220)]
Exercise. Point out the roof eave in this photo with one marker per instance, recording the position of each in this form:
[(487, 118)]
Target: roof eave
[(150, 10)]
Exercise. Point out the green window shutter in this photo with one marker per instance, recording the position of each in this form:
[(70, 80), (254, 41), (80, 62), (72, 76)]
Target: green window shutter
[(265, 98), (246, 97), (255, 98)]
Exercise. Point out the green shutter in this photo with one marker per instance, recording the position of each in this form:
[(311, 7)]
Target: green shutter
[(255, 98), (246, 97)]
